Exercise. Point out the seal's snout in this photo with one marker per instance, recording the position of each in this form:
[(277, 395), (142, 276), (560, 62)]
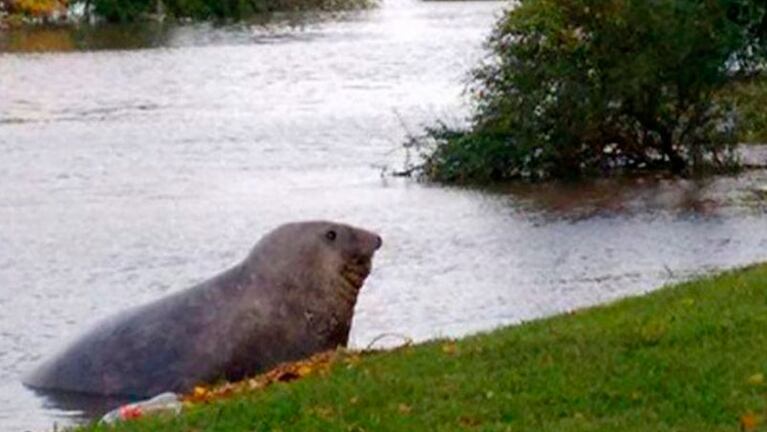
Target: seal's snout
[(367, 243), (372, 243)]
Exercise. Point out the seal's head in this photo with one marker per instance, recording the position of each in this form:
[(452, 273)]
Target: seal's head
[(320, 257)]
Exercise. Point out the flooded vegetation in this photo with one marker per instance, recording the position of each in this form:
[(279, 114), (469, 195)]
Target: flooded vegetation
[(138, 162), (577, 89), (21, 13)]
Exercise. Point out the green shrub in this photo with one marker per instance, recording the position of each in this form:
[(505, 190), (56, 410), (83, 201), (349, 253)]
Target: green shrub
[(750, 100), (123, 10), (579, 87), (203, 9), (135, 10)]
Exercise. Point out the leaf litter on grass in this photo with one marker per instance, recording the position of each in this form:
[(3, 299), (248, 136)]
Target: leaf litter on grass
[(284, 372)]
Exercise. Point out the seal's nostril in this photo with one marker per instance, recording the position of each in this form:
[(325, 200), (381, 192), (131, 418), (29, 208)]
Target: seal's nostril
[(379, 242)]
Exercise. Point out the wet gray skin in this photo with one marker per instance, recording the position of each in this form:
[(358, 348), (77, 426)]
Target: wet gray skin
[(293, 296)]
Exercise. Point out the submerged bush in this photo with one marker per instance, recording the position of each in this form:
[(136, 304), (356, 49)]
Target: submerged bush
[(579, 87)]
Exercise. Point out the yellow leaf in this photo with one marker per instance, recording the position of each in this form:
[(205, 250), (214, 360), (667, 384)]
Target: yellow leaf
[(449, 348), (756, 379), (324, 412)]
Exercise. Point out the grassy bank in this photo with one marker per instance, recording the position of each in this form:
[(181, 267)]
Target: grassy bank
[(691, 357)]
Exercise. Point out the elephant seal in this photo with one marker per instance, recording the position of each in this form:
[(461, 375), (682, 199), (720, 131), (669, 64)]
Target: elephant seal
[(291, 297)]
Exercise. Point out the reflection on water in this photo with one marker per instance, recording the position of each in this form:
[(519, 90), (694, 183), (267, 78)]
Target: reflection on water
[(619, 197), (70, 38), (127, 175)]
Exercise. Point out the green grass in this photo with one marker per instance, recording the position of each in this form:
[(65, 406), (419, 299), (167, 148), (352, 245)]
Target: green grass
[(683, 358)]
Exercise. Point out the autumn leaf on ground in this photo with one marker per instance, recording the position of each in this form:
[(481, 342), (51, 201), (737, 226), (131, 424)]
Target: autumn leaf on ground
[(284, 372), (468, 421), (449, 348), (304, 370), (756, 379), (198, 394), (324, 412), (749, 422)]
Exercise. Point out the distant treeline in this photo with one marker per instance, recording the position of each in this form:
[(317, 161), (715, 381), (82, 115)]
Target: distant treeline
[(33, 9), (134, 10), (131, 10)]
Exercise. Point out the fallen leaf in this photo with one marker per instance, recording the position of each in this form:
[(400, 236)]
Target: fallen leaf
[(468, 422), (756, 379), (449, 348), (254, 384), (404, 408), (749, 422), (284, 372), (324, 412)]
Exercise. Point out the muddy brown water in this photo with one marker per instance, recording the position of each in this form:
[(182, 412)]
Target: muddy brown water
[(137, 162)]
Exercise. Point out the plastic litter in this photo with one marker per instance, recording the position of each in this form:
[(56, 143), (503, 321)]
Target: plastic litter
[(163, 403)]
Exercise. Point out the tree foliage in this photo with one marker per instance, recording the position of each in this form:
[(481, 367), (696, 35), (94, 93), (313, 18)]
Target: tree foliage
[(589, 86), (136, 10), (132, 10), (34, 8), (122, 10)]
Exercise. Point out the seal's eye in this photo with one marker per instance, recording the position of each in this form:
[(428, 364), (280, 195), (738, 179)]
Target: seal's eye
[(330, 235)]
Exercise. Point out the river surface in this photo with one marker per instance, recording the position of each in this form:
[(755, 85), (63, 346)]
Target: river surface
[(138, 162)]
